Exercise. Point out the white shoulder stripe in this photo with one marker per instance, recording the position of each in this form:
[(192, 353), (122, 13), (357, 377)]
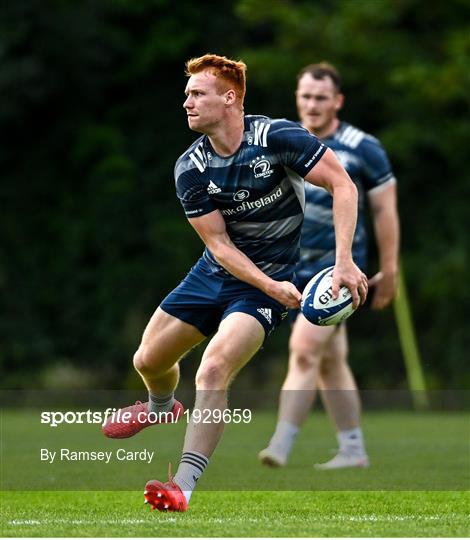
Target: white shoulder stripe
[(351, 137), (261, 133), (198, 158), (343, 136), (356, 139), (265, 134), (196, 162)]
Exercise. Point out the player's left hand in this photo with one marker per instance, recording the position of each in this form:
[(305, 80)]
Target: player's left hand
[(285, 293), (385, 284), (352, 277)]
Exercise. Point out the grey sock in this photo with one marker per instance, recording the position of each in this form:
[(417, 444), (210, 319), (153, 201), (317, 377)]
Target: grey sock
[(190, 469), (161, 403)]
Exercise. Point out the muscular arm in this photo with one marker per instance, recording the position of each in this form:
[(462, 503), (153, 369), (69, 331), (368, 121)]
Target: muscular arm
[(211, 228), (328, 173), (387, 233)]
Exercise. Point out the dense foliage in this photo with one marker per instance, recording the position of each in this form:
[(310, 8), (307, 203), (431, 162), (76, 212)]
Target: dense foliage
[(92, 236)]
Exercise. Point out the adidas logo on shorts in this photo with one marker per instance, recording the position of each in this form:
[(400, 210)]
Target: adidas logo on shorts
[(266, 313)]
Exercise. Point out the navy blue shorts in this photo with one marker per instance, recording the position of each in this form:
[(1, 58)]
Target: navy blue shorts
[(204, 300)]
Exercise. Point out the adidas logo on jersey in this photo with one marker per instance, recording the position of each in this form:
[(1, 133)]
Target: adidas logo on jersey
[(212, 188), (266, 313)]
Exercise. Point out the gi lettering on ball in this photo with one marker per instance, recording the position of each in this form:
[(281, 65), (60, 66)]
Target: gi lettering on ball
[(318, 305)]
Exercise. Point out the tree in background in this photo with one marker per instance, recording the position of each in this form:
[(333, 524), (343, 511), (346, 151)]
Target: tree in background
[(91, 234)]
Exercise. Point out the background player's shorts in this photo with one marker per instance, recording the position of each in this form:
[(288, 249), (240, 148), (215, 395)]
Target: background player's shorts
[(204, 300)]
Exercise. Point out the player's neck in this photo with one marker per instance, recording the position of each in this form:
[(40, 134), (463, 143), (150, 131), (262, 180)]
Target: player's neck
[(227, 136), (327, 130)]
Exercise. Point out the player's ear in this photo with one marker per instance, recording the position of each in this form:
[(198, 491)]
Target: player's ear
[(230, 97), (339, 101)]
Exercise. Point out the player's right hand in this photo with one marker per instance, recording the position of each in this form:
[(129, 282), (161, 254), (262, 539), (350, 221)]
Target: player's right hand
[(285, 293)]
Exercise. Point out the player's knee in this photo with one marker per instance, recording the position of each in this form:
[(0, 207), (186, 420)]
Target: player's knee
[(303, 360), (212, 376), (143, 360)]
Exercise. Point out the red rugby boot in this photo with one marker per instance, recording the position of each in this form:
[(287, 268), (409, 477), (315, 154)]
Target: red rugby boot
[(165, 496), (130, 420)]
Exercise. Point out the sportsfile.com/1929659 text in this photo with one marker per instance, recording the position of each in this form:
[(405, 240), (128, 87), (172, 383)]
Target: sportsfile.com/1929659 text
[(196, 416)]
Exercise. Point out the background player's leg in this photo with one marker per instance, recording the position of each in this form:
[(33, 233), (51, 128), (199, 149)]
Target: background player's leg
[(340, 397), (306, 346), (306, 349), (239, 337), (337, 385)]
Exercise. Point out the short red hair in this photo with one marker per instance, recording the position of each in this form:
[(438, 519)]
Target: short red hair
[(231, 72)]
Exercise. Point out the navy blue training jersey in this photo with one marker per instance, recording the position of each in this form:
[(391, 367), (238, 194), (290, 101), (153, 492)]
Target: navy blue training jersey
[(367, 164), (259, 191)]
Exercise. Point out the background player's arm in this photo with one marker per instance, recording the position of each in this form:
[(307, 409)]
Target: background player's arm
[(211, 228), (387, 233), (329, 174)]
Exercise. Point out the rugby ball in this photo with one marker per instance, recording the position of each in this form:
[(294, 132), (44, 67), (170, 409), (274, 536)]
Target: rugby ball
[(317, 303)]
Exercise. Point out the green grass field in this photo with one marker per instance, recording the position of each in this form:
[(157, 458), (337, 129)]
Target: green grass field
[(252, 514), (417, 484)]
